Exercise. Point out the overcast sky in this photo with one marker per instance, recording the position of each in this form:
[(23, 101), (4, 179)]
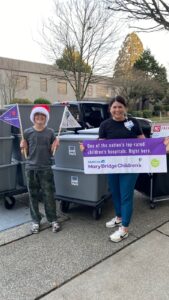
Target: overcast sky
[(20, 21)]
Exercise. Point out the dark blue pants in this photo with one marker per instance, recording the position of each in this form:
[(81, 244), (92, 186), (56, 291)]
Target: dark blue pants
[(122, 189)]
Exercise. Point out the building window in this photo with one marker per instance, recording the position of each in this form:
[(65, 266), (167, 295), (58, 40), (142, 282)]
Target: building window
[(21, 83), (90, 90), (43, 84), (101, 90), (62, 88), (110, 92)]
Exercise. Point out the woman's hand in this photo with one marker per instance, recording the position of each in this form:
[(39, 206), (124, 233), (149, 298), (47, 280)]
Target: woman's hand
[(141, 136), (82, 147), (166, 143), (55, 145)]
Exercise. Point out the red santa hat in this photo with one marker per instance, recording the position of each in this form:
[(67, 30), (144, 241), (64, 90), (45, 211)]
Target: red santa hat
[(41, 109)]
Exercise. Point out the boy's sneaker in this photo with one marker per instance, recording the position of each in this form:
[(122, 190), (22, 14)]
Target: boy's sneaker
[(118, 235), (35, 228), (55, 226), (113, 223)]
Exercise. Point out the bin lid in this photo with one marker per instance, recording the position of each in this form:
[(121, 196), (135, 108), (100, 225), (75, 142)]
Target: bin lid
[(78, 137), (12, 164), (7, 137), (89, 131)]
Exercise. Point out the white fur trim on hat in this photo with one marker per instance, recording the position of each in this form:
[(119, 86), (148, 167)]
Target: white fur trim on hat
[(41, 110)]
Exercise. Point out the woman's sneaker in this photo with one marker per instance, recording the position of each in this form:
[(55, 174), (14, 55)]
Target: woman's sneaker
[(113, 223), (35, 228), (55, 226), (118, 235)]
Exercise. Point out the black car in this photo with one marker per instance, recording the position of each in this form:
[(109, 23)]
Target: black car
[(90, 114)]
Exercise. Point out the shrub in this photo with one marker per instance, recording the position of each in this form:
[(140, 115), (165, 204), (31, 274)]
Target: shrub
[(156, 113), (157, 107), (166, 107), (41, 101), (147, 113), (137, 113), (21, 101)]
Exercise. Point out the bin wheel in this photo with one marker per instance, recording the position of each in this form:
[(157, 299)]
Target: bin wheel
[(97, 213), (64, 206), (152, 205), (9, 202)]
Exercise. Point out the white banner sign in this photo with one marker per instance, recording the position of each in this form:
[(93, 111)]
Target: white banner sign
[(125, 156), (160, 130)]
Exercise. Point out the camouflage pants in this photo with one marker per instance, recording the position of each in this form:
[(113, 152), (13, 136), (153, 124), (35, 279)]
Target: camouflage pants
[(41, 180)]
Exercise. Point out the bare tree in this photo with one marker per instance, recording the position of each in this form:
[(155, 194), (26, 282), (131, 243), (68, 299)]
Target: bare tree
[(8, 85), (146, 10), (139, 89), (12, 80), (90, 29)]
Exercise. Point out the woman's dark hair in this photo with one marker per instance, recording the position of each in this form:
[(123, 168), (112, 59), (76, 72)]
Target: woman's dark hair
[(119, 99)]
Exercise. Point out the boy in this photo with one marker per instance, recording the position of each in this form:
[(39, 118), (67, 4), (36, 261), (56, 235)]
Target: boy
[(39, 143)]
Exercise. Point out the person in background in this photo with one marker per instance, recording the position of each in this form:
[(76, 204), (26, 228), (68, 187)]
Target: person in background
[(39, 143), (119, 126)]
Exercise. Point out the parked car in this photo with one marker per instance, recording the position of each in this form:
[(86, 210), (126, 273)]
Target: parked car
[(90, 114)]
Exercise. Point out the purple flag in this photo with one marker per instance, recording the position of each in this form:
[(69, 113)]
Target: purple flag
[(11, 116)]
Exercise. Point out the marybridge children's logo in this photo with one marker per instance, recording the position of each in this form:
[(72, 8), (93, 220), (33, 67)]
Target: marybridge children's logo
[(155, 162)]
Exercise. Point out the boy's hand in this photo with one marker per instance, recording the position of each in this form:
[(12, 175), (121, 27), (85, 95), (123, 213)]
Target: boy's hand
[(24, 147), (55, 145), (23, 144)]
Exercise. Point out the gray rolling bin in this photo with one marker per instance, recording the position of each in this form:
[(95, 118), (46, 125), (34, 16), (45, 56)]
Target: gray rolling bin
[(5, 129), (71, 184), (9, 185), (6, 149), (8, 177), (68, 154)]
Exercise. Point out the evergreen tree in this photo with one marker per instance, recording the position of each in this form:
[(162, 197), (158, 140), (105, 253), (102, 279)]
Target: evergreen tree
[(151, 69), (71, 60), (130, 52), (153, 79), (143, 82)]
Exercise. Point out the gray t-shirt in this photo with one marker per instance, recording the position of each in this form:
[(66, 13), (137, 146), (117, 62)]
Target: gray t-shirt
[(39, 148)]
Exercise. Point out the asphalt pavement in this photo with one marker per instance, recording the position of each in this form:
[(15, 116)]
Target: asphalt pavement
[(80, 263)]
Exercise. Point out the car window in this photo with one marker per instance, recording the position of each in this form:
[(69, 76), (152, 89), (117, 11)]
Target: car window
[(99, 108), (74, 111), (87, 110), (93, 114), (89, 114)]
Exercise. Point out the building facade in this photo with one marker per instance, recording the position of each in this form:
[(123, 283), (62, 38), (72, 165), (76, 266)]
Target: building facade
[(28, 80)]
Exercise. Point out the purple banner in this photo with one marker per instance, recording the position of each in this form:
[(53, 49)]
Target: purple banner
[(11, 116), (124, 147)]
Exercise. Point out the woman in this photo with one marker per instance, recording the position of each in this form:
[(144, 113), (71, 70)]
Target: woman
[(119, 126)]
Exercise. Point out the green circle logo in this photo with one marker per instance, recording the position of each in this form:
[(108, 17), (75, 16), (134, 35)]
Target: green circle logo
[(155, 163)]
